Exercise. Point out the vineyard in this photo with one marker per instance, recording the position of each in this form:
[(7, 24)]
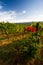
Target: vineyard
[(21, 43)]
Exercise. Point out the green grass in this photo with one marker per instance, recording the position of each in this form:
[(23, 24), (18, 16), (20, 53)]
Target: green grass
[(3, 38)]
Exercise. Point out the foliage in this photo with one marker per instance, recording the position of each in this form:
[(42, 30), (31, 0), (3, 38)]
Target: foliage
[(21, 51), (11, 28)]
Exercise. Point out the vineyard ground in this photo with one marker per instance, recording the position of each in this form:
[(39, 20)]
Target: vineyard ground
[(11, 37)]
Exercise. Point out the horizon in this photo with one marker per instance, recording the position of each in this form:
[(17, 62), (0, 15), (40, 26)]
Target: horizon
[(19, 11), (21, 22)]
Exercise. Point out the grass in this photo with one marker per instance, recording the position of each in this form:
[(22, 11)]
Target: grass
[(3, 38)]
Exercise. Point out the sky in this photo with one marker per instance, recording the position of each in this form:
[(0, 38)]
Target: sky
[(16, 11)]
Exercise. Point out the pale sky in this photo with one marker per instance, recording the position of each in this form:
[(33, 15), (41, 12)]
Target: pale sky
[(17, 11)]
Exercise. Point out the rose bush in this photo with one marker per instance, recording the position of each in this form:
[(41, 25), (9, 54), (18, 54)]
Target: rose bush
[(30, 28)]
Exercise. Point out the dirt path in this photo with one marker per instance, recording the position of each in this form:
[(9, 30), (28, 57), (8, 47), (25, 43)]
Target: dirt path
[(13, 38)]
